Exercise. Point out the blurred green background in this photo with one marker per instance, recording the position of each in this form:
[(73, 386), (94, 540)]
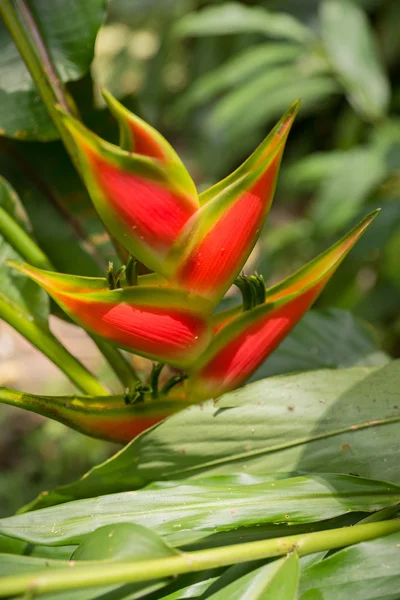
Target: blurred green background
[(213, 76)]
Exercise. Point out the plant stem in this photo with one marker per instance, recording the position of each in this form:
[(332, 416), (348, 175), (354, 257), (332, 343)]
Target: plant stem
[(22, 241), (84, 576), (119, 364), (42, 338), (18, 19)]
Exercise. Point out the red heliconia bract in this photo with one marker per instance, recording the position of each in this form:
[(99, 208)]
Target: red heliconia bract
[(151, 320), (243, 340)]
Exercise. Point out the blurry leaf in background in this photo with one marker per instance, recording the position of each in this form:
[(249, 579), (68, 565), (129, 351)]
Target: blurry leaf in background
[(342, 192), (43, 454), (237, 70), (232, 17), (324, 339), (14, 287), (69, 30), (245, 109), (354, 53), (337, 421)]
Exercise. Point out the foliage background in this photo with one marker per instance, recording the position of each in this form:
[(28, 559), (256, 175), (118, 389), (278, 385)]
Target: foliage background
[(213, 81)]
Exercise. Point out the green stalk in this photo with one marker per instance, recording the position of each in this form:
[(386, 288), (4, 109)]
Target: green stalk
[(119, 364), (82, 575), (22, 242), (19, 20), (42, 338)]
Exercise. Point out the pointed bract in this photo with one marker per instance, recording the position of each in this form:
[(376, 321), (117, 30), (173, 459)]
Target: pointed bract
[(241, 345), (260, 154), (139, 137), (159, 323), (107, 418), (218, 239), (144, 202)]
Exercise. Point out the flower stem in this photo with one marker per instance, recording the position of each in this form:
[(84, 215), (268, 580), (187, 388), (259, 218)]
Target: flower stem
[(82, 575)]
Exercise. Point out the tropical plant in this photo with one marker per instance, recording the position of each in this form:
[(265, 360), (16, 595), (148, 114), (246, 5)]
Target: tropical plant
[(243, 492)]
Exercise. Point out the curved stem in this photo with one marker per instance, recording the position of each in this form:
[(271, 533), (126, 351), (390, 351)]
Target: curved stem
[(22, 241), (19, 20), (94, 575), (44, 340)]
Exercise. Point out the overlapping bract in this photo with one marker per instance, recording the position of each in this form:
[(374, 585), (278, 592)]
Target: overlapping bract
[(196, 245)]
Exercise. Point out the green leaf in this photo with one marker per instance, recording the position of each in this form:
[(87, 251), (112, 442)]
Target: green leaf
[(366, 571), (69, 31), (232, 17), (346, 421), (278, 580), (352, 48), (185, 513), (122, 541), (330, 338), (14, 287)]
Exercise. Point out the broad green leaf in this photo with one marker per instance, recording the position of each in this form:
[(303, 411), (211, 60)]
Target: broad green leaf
[(330, 338), (352, 48), (185, 513), (14, 287), (367, 571), (345, 421), (69, 31), (278, 580), (233, 17)]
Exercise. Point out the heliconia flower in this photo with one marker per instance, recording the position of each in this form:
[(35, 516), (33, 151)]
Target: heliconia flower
[(144, 201), (217, 240), (105, 417), (159, 323), (245, 339)]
